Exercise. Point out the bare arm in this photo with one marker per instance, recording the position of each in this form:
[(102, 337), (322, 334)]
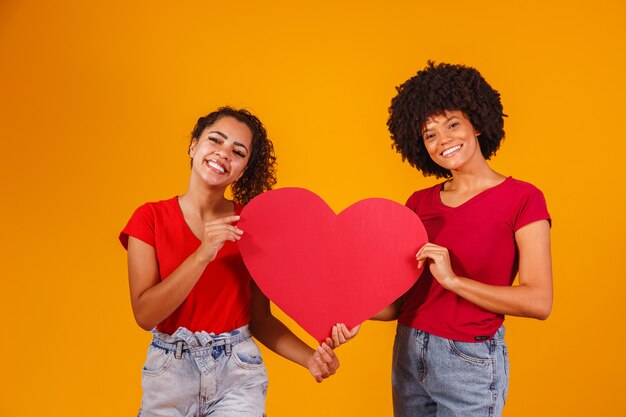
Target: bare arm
[(531, 298), (270, 331), (389, 313), (153, 299)]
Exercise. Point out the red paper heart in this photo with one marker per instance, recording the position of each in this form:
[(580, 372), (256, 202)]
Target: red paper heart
[(321, 268)]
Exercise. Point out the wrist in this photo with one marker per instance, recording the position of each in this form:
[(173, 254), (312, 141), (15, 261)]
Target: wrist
[(308, 358), (452, 283), (202, 259)]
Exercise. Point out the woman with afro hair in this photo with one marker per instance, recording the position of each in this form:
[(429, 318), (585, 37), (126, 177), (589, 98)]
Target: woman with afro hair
[(450, 358), (189, 286)]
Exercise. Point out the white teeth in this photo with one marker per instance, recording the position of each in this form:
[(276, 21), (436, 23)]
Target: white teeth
[(450, 150), (216, 166)]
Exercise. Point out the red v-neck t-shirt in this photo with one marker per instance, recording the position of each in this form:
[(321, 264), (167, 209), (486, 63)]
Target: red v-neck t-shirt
[(220, 300), (480, 237)]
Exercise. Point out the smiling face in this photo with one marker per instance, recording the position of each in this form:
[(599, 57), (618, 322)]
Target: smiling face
[(451, 140), (221, 153)]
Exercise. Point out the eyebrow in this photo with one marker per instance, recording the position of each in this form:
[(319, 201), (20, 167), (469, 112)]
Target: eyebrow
[(226, 137), (240, 144), (445, 121), (219, 133)]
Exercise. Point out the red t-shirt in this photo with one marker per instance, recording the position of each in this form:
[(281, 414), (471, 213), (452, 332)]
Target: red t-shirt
[(480, 237), (220, 300)]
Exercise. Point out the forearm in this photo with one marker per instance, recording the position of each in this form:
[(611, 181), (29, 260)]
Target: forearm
[(531, 298), (273, 334), (158, 302), (519, 300), (389, 313)]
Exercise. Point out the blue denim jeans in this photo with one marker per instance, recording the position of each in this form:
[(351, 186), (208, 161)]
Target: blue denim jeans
[(434, 376), (197, 374)]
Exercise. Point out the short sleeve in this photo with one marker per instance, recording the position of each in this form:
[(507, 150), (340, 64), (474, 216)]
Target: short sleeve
[(140, 226), (533, 208), (422, 197), (410, 202)]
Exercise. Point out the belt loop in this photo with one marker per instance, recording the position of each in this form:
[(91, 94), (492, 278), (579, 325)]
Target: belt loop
[(227, 347), (179, 349)]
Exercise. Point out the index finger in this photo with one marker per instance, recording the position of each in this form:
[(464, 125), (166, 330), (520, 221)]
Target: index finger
[(326, 353), (228, 219)]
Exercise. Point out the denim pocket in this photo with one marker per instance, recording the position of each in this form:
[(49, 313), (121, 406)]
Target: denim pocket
[(478, 353), (157, 362), (247, 355)]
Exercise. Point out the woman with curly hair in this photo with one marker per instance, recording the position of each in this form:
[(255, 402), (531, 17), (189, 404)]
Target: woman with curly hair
[(450, 358), (189, 286)]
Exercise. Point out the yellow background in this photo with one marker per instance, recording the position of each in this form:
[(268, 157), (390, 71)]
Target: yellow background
[(96, 104)]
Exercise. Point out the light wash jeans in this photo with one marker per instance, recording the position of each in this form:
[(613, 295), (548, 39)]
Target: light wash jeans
[(434, 376), (200, 374)]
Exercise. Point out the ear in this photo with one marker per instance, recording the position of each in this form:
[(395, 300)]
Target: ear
[(192, 147)]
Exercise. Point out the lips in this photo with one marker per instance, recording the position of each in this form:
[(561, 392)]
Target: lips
[(216, 166), (450, 151)]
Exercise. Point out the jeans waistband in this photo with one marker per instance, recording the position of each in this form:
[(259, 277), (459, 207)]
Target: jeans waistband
[(497, 337), (184, 340)]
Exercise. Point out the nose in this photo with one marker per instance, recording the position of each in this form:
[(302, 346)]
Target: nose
[(222, 154), (445, 138)]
